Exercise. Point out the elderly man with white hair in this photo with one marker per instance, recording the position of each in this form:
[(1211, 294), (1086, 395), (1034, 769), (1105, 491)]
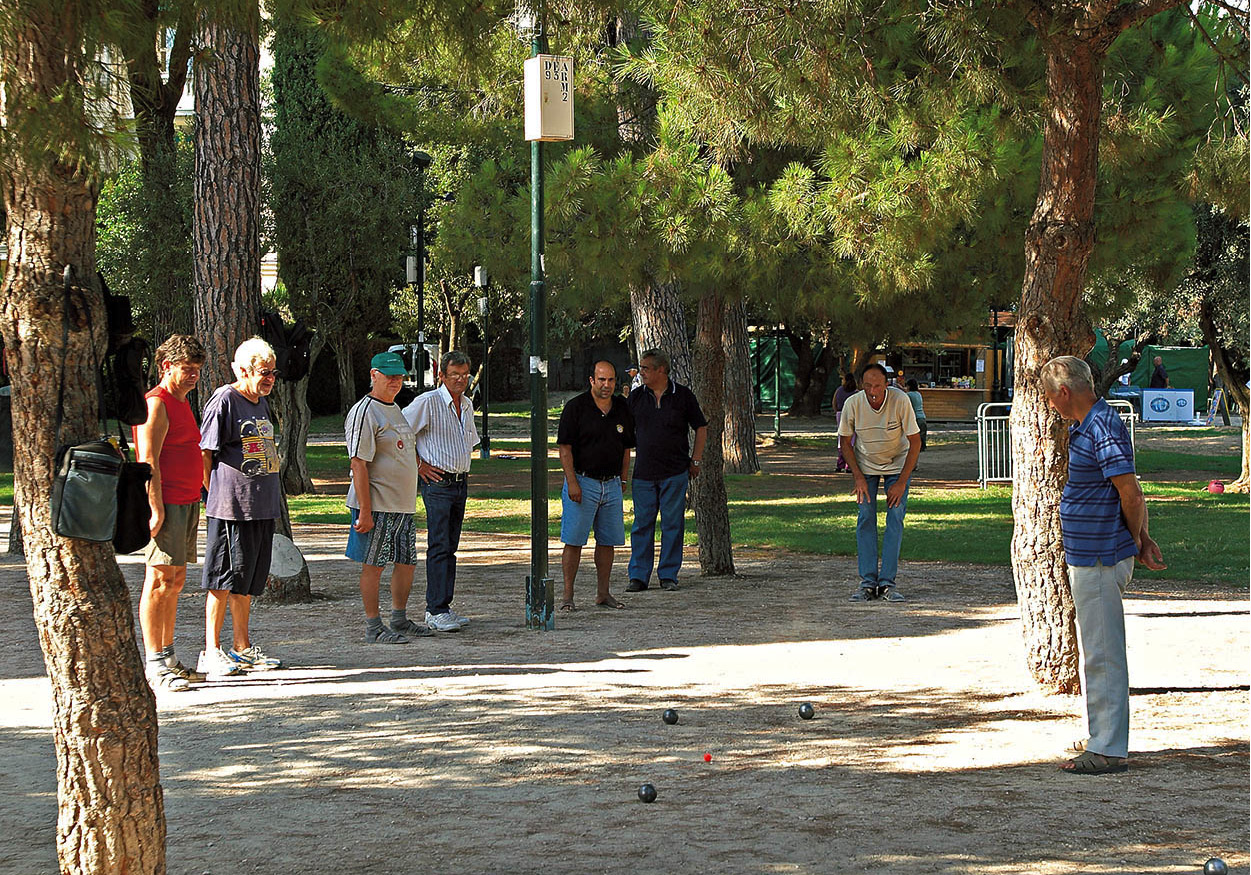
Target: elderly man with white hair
[(1103, 525), (244, 498)]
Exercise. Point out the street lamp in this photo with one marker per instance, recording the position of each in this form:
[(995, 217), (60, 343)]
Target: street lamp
[(483, 282), (417, 264)]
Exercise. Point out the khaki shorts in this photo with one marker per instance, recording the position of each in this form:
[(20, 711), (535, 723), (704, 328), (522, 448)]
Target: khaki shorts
[(175, 543)]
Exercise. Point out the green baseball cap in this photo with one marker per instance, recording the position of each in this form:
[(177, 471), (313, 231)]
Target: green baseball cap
[(388, 363)]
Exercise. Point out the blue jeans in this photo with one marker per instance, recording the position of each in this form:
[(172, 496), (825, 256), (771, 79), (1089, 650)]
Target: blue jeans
[(866, 534), (445, 514), (667, 496)]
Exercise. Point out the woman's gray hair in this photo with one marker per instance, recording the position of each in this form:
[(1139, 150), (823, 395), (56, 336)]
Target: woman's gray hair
[(250, 353), (1067, 370)]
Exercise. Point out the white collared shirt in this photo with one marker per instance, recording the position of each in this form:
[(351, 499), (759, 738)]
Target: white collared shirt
[(443, 440)]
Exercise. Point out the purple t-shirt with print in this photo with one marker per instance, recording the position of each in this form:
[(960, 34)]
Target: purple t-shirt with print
[(244, 484)]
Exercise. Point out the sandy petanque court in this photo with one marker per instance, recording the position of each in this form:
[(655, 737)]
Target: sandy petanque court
[(497, 749)]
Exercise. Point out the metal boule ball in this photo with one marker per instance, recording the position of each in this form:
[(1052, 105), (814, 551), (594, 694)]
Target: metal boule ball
[(670, 716), (1215, 866), (806, 711), (647, 793)]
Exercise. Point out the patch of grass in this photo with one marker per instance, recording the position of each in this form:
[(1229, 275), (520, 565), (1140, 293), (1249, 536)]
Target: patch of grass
[(1156, 461), (6, 489)]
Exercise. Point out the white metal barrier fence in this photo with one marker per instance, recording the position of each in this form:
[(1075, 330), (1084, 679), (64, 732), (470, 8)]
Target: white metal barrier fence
[(994, 439)]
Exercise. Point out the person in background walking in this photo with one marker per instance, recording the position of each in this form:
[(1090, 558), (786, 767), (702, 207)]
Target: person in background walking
[(845, 390), (918, 408)]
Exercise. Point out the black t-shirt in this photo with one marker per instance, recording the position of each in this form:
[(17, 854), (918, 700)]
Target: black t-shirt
[(599, 440), (663, 447), (1159, 378)]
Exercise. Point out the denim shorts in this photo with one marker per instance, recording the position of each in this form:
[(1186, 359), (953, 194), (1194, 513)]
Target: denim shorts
[(600, 509)]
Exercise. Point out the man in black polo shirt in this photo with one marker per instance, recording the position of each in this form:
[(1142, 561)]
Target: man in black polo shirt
[(594, 439), (663, 413)]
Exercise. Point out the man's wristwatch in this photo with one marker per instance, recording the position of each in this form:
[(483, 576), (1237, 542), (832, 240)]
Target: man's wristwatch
[(695, 462)]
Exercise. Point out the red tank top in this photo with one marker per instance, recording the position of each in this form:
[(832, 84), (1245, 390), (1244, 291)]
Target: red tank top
[(182, 470)]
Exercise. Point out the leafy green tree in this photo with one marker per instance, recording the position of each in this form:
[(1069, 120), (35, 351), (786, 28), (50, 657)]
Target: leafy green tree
[(344, 195), (142, 249), (926, 117)]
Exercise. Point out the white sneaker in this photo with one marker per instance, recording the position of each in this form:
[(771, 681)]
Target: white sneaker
[(444, 622), (464, 621), (216, 664)]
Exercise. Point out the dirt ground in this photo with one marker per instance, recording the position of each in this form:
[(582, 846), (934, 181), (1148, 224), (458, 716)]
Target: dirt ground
[(497, 749)]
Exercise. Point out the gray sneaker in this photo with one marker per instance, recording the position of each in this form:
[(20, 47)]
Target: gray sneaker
[(464, 621), (444, 622), (890, 594), (864, 594)]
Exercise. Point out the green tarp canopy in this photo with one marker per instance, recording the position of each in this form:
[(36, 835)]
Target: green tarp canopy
[(1187, 366)]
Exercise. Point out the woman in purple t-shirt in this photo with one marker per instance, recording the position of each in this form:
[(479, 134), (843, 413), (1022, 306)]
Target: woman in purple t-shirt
[(244, 499)]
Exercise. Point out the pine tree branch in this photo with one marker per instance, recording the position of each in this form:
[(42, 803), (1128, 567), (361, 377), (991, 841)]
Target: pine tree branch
[(1124, 17), (1225, 59)]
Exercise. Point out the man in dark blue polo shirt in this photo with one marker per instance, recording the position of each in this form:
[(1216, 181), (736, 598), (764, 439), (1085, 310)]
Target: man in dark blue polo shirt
[(1103, 522), (594, 439), (663, 413)]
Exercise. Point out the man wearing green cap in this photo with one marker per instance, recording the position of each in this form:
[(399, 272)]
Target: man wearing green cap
[(382, 498)]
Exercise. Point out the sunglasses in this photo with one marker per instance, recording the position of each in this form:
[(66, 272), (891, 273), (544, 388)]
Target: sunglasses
[(267, 372)]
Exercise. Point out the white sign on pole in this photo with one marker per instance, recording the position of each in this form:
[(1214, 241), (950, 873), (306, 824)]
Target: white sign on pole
[(549, 97)]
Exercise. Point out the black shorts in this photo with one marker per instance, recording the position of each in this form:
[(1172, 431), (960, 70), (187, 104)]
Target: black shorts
[(236, 555)]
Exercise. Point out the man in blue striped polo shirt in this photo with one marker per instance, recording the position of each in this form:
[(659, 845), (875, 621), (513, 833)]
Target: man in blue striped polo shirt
[(1103, 522)]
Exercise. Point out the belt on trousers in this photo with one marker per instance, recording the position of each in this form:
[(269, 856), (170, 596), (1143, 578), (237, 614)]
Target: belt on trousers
[(454, 476), (602, 479)]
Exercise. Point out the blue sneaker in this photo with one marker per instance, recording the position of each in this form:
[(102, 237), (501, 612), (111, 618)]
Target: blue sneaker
[(864, 594), (252, 659)]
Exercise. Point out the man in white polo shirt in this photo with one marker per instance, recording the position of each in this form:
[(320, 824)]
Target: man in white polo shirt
[(887, 443)]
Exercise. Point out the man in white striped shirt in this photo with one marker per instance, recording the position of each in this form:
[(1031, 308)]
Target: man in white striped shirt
[(443, 426)]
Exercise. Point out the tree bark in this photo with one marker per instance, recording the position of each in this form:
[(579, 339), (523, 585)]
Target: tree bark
[(226, 226), (1050, 322), (660, 323), (1112, 369), (812, 393), (739, 440), (289, 403), (110, 807), (708, 498), (801, 344), (344, 351), (1235, 380)]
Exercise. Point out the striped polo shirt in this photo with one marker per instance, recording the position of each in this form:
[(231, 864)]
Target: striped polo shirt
[(443, 440), (1091, 522)]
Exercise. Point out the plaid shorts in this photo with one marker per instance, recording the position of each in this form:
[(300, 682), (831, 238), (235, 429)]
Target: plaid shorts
[(392, 539)]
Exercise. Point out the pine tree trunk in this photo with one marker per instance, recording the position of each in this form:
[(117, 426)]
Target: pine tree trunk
[(660, 323), (708, 498), (809, 398), (801, 345), (110, 808), (1050, 322), (344, 350), (289, 404), (226, 226), (739, 441), (1235, 380)]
